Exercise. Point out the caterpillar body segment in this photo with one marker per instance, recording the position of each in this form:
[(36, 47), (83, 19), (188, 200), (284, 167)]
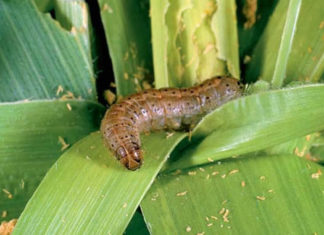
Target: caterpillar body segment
[(158, 109)]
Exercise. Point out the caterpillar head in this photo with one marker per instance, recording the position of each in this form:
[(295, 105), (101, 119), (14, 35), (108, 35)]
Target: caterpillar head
[(132, 159), (230, 88)]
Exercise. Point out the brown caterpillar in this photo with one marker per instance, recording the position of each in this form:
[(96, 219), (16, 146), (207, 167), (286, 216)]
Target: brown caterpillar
[(157, 109)]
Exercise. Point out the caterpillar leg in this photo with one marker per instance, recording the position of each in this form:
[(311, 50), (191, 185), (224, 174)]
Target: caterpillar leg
[(190, 132), (191, 127)]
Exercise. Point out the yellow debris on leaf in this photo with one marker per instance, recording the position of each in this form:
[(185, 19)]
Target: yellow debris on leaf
[(63, 143), (321, 26), (317, 174), (68, 96), (109, 96), (9, 195), (225, 216), (222, 211), (233, 171), (68, 106), (59, 90), (261, 198), (249, 11), (6, 228), (4, 214), (182, 193)]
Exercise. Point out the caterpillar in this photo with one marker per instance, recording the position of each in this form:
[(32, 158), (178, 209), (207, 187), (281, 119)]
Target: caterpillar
[(157, 109)]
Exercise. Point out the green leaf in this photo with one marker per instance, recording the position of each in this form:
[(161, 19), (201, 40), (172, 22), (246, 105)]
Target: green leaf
[(93, 192), (225, 27), (281, 194), (287, 37), (249, 33), (306, 60), (31, 70), (29, 144), (127, 29), (188, 42), (255, 122), (75, 16), (159, 34)]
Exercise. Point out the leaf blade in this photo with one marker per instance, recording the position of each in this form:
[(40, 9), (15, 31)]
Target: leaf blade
[(35, 71), (108, 194), (127, 30), (30, 143), (265, 119), (286, 43), (305, 61), (210, 199)]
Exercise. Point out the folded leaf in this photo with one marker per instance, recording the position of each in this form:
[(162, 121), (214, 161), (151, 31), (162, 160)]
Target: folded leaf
[(255, 122)]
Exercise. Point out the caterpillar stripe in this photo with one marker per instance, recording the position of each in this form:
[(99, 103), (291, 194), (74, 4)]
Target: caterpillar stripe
[(157, 109)]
